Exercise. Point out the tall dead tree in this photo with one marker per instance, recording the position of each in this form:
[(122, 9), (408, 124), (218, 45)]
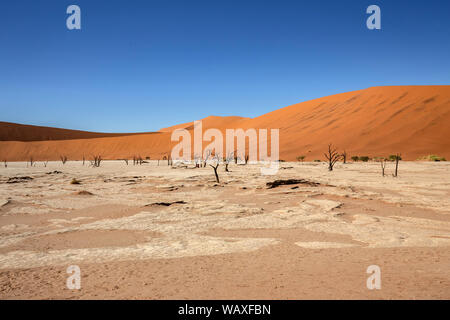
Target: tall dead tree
[(344, 157), (397, 159), (332, 157), (383, 165), (31, 161), (83, 159)]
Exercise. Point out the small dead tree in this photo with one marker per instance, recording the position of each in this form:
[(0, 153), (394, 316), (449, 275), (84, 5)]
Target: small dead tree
[(95, 163), (5, 163), (31, 161), (332, 157), (197, 161), (383, 165), (227, 160), (45, 163), (126, 161), (83, 160), (215, 166), (246, 158), (207, 155), (63, 159), (397, 159), (344, 157)]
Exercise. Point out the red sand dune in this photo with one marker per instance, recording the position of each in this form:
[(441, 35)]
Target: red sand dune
[(378, 121)]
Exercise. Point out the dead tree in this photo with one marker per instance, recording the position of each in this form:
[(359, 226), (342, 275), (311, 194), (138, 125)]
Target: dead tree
[(83, 160), (126, 161), (332, 157), (31, 161), (45, 163), (197, 161), (215, 167), (246, 158), (397, 159), (63, 159), (95, 163), (227, 160), (344, 157), (205, 161), (5, 163), (383, 165)]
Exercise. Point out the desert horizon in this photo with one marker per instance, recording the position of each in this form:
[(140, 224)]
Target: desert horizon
[(373, 122)]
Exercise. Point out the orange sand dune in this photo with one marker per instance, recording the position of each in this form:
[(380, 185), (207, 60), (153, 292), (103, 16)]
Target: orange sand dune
[(378, 121), (23, 132), (210, 122)]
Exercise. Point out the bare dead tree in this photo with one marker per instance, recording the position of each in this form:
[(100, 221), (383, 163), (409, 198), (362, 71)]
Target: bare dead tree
[(126, 161), (45, 163), (169, 160), (383, 165), (83, 159), (96, 161), (344, 157), (215, 167), (31, 161), (5, 163), (227, 160), (208, 154), (197, 161), (63, 159), (397, 159), (332, 157), (246, 158)]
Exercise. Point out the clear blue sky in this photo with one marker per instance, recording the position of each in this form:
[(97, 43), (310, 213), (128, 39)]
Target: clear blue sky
[(143, 65)]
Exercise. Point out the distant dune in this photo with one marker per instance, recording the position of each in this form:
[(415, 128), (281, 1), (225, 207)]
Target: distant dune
[(378, 121), (23, 132)]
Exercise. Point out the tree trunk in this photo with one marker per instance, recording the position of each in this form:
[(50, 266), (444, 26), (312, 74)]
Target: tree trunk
[(217, 176)]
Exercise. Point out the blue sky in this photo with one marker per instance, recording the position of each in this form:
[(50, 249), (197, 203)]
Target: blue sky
[(144, 65)]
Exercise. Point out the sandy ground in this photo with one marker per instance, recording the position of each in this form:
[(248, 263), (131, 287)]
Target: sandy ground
[(157, 232)]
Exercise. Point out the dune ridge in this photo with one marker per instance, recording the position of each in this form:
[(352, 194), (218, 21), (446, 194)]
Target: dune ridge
[(377, 121)]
